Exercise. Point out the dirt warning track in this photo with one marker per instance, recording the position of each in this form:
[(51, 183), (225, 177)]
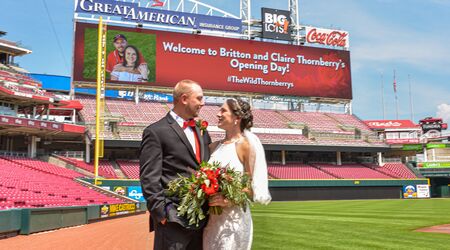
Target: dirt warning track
[(128, 233), (445, 229)]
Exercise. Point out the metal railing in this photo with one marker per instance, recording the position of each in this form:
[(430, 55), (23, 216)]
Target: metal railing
[(70, 154), (12, 153)]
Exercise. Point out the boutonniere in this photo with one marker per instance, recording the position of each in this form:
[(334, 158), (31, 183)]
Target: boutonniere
[(202, 125)]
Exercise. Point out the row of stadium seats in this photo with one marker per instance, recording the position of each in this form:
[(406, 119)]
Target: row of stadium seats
[(7, 73), (322, 171), (129, 168), (325, 128), (297, 171), (276, 171), (43, 166), (26, 90), (397, 169), (312, 171), (22, 185), (105, 168), (145, 113), (352, 171)]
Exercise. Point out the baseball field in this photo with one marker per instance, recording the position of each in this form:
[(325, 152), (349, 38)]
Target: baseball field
[(360, 224)]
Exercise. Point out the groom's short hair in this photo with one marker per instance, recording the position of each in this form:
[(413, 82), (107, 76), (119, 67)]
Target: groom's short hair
[(182, 87)]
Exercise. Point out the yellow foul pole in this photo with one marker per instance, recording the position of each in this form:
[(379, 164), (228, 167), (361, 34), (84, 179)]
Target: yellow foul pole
[(100, 94)]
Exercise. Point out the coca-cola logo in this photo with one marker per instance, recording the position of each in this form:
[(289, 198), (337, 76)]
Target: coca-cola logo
[(331, 38)]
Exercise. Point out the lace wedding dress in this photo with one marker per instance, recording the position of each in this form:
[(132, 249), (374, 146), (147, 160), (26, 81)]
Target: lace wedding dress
[(233, 229)]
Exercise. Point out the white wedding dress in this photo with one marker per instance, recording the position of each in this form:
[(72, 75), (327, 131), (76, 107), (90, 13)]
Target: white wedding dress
[(233, 229), (126, 76)]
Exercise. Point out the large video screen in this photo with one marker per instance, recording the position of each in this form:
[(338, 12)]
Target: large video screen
[(158, 58)]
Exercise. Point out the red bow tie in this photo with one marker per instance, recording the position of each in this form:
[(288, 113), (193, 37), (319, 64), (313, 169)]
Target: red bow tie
[(189, 123)]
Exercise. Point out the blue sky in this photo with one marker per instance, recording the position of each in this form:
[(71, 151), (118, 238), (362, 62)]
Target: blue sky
[(410, 36)]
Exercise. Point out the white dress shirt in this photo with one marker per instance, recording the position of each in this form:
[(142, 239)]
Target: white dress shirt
[(188, 131)]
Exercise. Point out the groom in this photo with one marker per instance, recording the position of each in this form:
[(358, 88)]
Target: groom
[(172, 146)]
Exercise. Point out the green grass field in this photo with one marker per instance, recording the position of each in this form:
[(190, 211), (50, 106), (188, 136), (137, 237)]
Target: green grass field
[(361, 224), (144, 42)]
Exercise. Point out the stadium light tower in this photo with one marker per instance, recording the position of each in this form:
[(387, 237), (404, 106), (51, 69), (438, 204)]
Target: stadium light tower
[(293, 8), (245, 15)]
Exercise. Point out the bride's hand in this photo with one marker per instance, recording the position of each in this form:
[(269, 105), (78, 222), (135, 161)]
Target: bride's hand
[(218, 200), (247, 190)]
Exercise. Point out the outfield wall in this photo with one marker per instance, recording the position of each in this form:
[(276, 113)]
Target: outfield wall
[(333, 189), (297, 190)]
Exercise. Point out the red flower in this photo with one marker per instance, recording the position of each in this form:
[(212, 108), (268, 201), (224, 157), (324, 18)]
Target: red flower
[(211, 174), (202, 125), (211, 189)]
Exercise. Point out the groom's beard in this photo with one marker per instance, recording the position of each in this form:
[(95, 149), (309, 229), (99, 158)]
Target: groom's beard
[(193, 112)]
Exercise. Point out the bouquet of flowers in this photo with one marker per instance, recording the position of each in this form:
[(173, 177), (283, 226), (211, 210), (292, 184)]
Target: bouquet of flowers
[(210, 179)]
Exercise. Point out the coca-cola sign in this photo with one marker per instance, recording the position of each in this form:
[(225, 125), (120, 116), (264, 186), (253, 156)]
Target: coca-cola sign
[(335, 38)]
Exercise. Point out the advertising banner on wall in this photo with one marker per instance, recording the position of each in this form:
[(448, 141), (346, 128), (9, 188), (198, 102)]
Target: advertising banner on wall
[(409, 192), (335, 38), (423, 191), (117, 209), (157, 58), (276, 24), (133, 12), (135, 192), (391, 124), (434, 165)]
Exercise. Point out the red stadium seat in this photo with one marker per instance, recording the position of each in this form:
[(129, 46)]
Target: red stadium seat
[(26, 185)]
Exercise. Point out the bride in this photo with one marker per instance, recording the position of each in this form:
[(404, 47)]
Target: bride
[(241, 150)]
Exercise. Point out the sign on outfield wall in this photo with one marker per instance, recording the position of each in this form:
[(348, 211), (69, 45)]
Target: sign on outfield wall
[(335, 38), (423, 191), (221, 64), (409, 191), (117, 209), (434, 165)]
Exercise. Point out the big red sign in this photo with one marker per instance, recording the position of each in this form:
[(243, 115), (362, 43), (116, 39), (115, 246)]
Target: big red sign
[(336, 38), (221, 64)]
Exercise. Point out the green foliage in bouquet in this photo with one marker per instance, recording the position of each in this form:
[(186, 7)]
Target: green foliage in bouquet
[(209, 180)]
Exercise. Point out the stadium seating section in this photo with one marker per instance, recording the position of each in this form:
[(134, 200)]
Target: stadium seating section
[(297, 171), (129, 168), (26, 183), (321, 171), (9, 75), (323, 128), (105, 168)]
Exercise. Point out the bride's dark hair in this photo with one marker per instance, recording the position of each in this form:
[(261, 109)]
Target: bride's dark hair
[(241, 109)]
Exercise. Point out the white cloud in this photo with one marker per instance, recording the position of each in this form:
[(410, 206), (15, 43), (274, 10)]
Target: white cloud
[(443, 111)]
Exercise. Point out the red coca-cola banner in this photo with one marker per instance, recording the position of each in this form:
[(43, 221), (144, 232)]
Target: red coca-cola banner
[(220, 64), (336, 38)]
